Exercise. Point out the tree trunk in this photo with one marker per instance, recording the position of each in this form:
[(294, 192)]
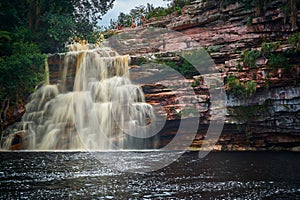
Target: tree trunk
[(30, 14), (38, 16), (294, 12)]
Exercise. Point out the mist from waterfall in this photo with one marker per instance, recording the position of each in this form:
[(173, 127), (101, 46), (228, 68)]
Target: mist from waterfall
[(105, 111)]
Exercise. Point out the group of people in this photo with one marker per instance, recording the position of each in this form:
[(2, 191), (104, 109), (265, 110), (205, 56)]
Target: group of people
[(134, 23)]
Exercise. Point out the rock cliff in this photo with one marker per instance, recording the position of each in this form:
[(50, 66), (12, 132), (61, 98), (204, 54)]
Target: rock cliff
[(263, 101), (268, 117)]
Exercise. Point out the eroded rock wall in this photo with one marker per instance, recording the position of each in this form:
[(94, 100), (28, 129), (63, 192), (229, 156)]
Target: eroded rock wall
[(266, 120), (270, 118)]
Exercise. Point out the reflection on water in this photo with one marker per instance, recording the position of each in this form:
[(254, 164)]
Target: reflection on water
[(74, 175)]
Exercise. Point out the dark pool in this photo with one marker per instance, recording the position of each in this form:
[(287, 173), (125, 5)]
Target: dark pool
[(77, 175)]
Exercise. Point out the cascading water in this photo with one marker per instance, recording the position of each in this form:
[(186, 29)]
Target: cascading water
[(104, 111)]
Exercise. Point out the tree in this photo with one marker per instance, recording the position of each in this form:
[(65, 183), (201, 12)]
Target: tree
[(124, 20), (138, 11), (91, 10), (21, 71), (178, 3), (30, 28), (49, 23)]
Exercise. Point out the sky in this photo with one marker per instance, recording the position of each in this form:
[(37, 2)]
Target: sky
[(125, 6)]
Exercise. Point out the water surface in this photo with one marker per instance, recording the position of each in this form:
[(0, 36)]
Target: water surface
[(78, 175)]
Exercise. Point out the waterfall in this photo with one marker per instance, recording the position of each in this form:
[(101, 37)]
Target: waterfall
[(104, 111)]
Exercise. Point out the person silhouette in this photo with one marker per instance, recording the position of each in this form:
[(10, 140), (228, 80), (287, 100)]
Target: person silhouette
[(133, 25)]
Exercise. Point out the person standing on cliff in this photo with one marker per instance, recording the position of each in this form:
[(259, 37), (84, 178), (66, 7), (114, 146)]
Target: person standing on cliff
[(120, 26), (133, 25), (143, 20)]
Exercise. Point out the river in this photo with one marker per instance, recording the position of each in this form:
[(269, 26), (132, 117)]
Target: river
[(82, 175)]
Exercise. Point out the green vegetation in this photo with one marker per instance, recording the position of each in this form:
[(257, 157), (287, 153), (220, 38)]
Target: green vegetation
[(268, 48), (278, 61), (161, 12), (139, 61), (249, 57), (198, 81), (249, 21), (30, 29), (183, 67), (239, 67), (148, 11), (234, 86), (259, 5), (294, 40), (174, 6), (212, 49), (187, 62), (250, 88), (239, 89), (187, 69), (289, 8), (248, 116), (51, 23), (21, 71), (275, 60), (247, 113)]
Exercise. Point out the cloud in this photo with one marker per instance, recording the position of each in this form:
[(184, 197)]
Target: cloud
[(125, 6)]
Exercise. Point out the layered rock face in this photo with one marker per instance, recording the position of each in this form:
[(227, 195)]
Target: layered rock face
[(266, 119)]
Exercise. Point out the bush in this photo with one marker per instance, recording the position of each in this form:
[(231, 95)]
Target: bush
[(249, 21), (187, 63), (277, 61), (182, 66), (138, 61), (187, 69), (250, 88), (234, 86), (238, 89), (268, 48), (295, 41), (5, 46), (198, 81), (212, 49), (250, 57), (21, 71)]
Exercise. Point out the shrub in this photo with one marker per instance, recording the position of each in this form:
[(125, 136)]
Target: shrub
[(277, 61), (250, 88), (239, 67), (249, 57), (238, 89), (140, 61), (5, 46), (249, 21), (268, 48), (183, 67), (295, 41), (234, 86), (198, 81), (109, 33), (212, 49), (21, 71)]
